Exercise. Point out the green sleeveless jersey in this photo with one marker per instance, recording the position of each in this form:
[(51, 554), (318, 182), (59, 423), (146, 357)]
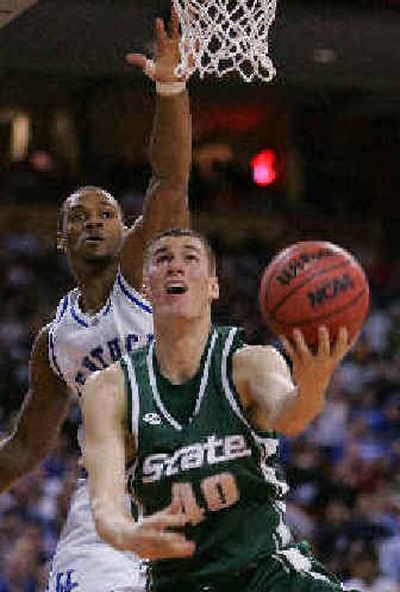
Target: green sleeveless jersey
[(223, 472)]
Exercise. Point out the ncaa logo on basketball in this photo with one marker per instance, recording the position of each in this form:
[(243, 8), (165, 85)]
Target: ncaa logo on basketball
[(314, 283), (330, 290)]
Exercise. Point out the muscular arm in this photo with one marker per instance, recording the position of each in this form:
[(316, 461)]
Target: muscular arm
[(39, 419), (103, 400), (103, 405), (269, 396), (166, 201), (263, 381)]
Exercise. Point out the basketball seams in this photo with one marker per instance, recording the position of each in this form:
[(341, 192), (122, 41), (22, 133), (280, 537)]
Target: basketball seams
[(295, 251), (306, 280), (335, 312), (301, 282), (281, 257)]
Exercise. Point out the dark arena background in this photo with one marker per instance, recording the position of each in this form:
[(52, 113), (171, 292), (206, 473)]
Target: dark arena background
[(312, 156)]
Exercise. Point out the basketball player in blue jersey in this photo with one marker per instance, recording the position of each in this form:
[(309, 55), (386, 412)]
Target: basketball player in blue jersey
[(103, 318), (196, 415)]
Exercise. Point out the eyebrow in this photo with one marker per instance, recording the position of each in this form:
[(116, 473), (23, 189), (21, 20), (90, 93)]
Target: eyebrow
[(80, 206), (188, 247)]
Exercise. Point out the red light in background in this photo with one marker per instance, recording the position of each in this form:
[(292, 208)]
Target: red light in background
[(264, 168)]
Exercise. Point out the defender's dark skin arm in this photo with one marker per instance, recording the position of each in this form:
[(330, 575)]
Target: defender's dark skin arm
[(166, 201), (40, 418)]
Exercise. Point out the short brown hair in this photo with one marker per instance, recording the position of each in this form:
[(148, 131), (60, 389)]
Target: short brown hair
[(177, 232)]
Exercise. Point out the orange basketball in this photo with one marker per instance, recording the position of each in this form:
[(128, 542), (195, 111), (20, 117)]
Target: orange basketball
[(313, 283)]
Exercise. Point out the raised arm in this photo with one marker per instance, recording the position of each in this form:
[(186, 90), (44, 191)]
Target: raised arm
[(271, 398), (166, 200), (39, 420), (106, 449)]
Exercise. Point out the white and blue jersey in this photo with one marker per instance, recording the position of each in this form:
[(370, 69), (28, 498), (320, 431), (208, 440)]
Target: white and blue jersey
[(80, 344)]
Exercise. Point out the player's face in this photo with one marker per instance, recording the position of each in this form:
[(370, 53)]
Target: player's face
[(179, 281), (93, 226)]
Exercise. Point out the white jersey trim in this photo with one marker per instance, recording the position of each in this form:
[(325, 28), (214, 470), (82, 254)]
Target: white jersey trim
[(202, 389), (52, 353), (132, 294), (135, 399)]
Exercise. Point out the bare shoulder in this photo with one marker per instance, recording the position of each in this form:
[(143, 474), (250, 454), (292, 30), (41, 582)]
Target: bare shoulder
[(253, 369), (263, 357)]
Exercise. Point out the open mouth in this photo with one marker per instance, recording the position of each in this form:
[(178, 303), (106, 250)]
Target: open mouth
[(176, 289), (93, 239)]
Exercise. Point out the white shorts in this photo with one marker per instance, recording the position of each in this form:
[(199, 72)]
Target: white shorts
[(84, 563)]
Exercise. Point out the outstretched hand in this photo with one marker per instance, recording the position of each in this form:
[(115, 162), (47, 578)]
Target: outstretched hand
[(155, 537), (167, 57), (314, 370)]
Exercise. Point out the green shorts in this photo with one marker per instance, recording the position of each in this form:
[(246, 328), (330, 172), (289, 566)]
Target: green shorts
[(292, 569)]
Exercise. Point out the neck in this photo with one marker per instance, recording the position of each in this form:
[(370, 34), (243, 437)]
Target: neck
[(95, 286), (179, 347)]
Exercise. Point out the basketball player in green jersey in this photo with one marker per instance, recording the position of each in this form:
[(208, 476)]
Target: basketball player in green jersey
[(196, 416)]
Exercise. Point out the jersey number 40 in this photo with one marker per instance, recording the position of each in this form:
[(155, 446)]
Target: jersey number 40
[(219, 492)]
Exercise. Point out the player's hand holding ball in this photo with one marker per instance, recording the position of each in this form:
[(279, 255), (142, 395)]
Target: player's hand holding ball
[(312, 284), (314, 295), (313, 368)]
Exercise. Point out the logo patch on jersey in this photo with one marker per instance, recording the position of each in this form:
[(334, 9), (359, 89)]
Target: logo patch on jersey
[(65, 582), (152, 418), (212, 451)]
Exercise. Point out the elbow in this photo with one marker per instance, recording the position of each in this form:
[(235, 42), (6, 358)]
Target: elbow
[(17, 460), (103, 532), (99, 522), (31, 451), (31, 457), (110, 530)]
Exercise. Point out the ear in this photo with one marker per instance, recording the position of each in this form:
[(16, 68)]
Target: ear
[(214, 288), (61, 243)]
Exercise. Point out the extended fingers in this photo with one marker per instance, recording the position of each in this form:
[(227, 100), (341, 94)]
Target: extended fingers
[(137, 59), (342, 344), (168, 545), (324, 346), (168, 518), (301, 348), (174, 24), (297, 349), (161, 34)]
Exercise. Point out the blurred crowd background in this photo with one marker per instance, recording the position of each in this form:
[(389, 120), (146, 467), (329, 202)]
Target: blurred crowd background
[(314, 156)]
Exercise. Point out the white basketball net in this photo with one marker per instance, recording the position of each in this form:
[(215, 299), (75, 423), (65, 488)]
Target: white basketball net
[(222, 36)]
